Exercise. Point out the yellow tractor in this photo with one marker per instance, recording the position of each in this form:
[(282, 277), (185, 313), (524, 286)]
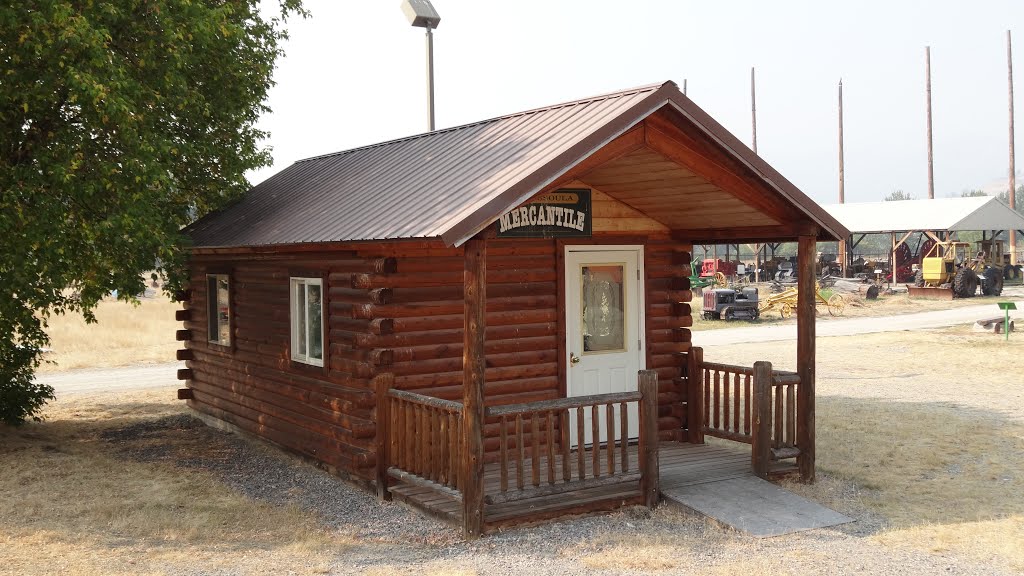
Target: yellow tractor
[(948, 270)]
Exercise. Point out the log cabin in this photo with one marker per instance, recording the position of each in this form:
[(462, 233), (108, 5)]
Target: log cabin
[(492, 321)]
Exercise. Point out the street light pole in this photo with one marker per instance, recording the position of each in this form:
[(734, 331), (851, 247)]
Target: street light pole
[(430, 79)]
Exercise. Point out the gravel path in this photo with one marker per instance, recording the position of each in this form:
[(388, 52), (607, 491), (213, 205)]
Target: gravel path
[(393, 539)]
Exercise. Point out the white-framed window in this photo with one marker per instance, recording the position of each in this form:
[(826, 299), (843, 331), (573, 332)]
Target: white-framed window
[(307, 320), (218, 315)]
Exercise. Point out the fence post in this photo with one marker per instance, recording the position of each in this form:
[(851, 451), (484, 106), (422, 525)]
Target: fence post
[(761, 442), (650, 481), (383, 419), (695, 396)]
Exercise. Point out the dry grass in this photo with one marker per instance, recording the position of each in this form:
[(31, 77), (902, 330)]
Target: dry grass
[(925, 429), (123, 335), (71, 503)]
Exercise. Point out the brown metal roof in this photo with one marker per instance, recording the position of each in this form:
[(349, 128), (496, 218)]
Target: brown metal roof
[(452, 183)]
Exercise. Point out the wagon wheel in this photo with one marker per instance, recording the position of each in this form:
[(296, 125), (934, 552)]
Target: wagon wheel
[(786, 311), (836, 305), (720, 279)]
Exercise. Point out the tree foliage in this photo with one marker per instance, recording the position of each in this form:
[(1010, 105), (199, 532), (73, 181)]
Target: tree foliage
[(897, 195), (120, 121)]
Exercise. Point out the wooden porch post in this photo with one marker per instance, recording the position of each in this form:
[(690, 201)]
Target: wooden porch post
[(805, 334), (761, 430), (650, 479), (695, 396), (383, 433), (473, 365)]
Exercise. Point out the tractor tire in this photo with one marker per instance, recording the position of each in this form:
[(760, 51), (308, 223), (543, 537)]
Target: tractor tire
[(919, 278), (965, 283), (993, 282), (727, 314), (872, 293)]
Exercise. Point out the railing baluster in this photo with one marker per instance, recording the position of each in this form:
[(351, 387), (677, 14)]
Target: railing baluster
[(726, 401), (504, 454), (551, 447), (777, 435), (624, 436), (563, 424), (791, 415), (394, 452), (717, 400), (456, 451), (435, 444), (410, 435), (746, 405), (581, 463), (535, 448), (706, 386), (519, 451), (595, 425), (736, 402), (609, 414), (442, 440)]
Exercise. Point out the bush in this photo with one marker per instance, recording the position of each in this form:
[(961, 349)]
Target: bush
[(21, 397)]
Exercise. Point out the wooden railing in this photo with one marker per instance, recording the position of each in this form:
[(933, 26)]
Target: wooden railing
[(424, 443), (756, 406), (546, 448), (537, 456)]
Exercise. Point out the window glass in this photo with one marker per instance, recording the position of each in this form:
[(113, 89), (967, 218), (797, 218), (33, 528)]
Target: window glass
[(604, 318), (218, 297), (307, 321)]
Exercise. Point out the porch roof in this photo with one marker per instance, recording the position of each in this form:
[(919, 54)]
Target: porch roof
[(650, 147), (952, 214)]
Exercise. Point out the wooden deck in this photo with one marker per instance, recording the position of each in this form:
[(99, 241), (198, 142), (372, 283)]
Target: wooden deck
[(681, 465)]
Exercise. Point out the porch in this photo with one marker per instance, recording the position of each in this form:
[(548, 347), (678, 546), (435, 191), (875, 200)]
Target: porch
[(534, 470)]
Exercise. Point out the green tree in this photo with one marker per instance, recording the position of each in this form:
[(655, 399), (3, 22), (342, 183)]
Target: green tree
[(972, 193), (897, 195), (120, 121), (1018, 198)]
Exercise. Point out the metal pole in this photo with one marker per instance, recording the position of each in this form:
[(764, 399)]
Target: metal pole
[(928, 76), (684, 86), (842, 183), (1013, 168), (753, 109), (430, 79)]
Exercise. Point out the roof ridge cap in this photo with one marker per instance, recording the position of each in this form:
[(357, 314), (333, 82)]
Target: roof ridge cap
[(607, 96)]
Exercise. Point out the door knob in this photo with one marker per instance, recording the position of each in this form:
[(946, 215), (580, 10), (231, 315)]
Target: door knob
[(573, 359)]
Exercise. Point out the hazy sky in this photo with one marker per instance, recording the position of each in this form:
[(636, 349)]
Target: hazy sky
[(354, 75)]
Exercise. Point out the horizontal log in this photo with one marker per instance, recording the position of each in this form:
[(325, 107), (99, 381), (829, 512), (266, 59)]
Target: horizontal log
[(782, 378), (449, 278), (182, 315), (494, 290), (563, 403), (515, 317), (436, 380), (183, 335), (452, 262), (716, 367), (449, 307), (352, 296), (446, 405), (451, 349), (184, 354), (185, 394), (451, 364), (451, 338), (726, 435), (185, 374)]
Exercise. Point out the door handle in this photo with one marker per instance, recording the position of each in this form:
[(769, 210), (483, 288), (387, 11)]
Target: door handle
[(573, 359)]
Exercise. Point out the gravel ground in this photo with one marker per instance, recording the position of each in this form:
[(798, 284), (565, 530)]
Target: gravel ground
[(393, 539)]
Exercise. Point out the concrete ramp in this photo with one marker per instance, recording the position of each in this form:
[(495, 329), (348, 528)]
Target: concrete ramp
[(754, 506)]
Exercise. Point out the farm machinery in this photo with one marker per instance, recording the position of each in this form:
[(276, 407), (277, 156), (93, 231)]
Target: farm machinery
[(786, 301), (949, 271), (710, 274), (730, 304)]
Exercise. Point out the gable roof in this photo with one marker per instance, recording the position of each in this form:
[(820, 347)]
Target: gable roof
[(452, 183), (953, 214)]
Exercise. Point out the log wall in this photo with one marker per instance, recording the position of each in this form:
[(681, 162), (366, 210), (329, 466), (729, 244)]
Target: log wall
[(394, 318)]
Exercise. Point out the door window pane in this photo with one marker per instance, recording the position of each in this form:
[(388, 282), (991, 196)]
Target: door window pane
[(603, 298)]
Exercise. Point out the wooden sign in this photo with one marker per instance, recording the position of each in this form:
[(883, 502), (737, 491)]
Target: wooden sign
[(564, 212)]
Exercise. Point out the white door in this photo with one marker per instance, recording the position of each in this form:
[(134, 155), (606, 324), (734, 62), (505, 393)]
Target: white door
[(604, 329)]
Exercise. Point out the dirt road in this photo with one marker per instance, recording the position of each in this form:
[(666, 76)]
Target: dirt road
[(112, 379), (851, 326)]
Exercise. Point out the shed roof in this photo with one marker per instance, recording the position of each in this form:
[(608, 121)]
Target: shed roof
[(452, 183), (953, 214)]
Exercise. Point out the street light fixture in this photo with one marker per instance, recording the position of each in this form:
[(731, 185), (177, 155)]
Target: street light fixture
[(422, 14)]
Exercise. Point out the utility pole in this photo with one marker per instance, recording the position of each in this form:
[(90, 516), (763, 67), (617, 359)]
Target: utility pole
[(1013, 167), (928, 77), (753, 109), (842, 183)]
